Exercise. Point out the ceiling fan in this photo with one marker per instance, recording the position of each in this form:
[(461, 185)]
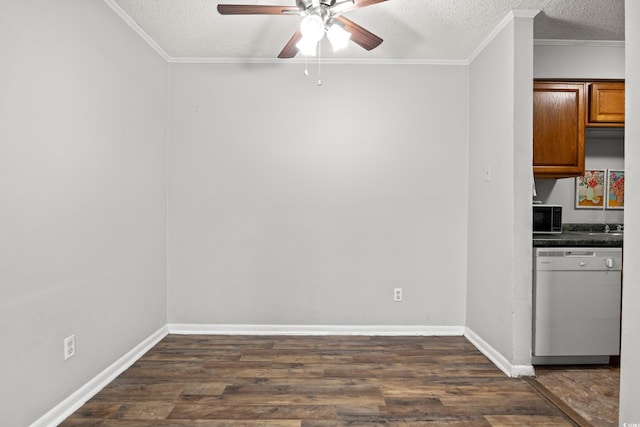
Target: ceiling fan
[(320, 17)]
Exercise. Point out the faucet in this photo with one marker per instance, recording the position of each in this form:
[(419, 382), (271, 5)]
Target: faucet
[(607, 228)]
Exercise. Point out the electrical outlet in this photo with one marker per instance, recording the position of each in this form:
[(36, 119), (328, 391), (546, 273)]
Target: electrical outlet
[(487, 174), (397, 294), (69, 346)]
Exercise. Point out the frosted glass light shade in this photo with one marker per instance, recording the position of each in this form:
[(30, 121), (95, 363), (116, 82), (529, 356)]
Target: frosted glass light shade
[(338, 37), (312, 27), (307, 46)]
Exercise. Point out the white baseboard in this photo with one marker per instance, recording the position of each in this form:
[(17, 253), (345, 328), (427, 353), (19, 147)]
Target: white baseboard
[(194, 329), (72, 403), (497, 358), (78, 398)]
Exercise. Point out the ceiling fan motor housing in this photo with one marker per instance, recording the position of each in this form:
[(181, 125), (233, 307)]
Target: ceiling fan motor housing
[(308, 4)]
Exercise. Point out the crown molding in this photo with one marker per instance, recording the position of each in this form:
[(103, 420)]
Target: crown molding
[(135, 27), (517, 13), (204, 60), (324, 61)]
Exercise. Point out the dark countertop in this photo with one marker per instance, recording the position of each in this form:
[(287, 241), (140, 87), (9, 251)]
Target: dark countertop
[(581, 235)]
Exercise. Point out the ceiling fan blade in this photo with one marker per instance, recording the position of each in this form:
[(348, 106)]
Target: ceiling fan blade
[(290, 50), (341, 6), (246, 9), (359, 4), (359, 35), (365, 3)]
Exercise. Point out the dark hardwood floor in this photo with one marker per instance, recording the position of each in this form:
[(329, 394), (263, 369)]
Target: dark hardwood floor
[(291, 381), (588, 393)]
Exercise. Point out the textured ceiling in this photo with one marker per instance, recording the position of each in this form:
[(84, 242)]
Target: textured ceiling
[(413, 30)]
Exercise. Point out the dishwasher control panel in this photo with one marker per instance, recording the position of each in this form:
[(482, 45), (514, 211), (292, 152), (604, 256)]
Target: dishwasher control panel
[(596, 259)]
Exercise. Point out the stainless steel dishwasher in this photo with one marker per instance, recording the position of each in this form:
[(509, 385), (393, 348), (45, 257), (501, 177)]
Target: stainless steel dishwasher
[(576, 305)]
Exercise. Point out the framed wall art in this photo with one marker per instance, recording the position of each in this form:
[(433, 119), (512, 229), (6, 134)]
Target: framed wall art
[(615, 189), (590, 189)]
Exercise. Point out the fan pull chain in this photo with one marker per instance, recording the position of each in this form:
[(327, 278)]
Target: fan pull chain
[(306, 66), (319, 64)]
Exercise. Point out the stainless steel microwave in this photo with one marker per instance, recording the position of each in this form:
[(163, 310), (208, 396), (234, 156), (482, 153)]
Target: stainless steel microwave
[(547, 219)]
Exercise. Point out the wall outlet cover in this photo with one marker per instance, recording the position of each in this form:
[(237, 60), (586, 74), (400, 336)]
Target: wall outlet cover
[(69, 346)]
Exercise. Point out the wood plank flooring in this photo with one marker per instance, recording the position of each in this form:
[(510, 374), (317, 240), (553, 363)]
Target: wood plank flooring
[(293, 381), (588, 393)]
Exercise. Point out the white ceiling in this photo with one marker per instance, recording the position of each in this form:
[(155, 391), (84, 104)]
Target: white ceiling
[(413, 30)]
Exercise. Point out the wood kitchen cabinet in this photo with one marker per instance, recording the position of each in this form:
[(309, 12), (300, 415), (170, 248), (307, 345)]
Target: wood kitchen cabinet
[(606, 104), (559, 115)]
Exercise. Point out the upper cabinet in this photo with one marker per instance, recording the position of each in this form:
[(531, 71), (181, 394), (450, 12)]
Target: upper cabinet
[(606, 104), (561, 113), (558, 129)]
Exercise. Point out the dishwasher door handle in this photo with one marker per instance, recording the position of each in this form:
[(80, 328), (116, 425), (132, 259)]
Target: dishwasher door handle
[(579, 254)]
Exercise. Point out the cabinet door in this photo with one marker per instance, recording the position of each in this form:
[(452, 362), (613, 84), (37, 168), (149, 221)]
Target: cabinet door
[(606, 104), (558, 129)]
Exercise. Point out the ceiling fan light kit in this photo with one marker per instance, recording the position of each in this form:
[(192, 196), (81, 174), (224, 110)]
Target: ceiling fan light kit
[(312, 27), (313, 30), (307, 46), (338, 37), (319, 17)]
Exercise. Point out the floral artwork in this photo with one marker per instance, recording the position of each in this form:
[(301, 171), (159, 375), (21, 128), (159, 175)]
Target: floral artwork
[(615, 189), (590, 190)]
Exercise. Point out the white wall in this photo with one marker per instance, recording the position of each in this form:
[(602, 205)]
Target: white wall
[(500, 135), (82, 196), (599, 154), (630, 355), (295, 204), (585, 61)]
